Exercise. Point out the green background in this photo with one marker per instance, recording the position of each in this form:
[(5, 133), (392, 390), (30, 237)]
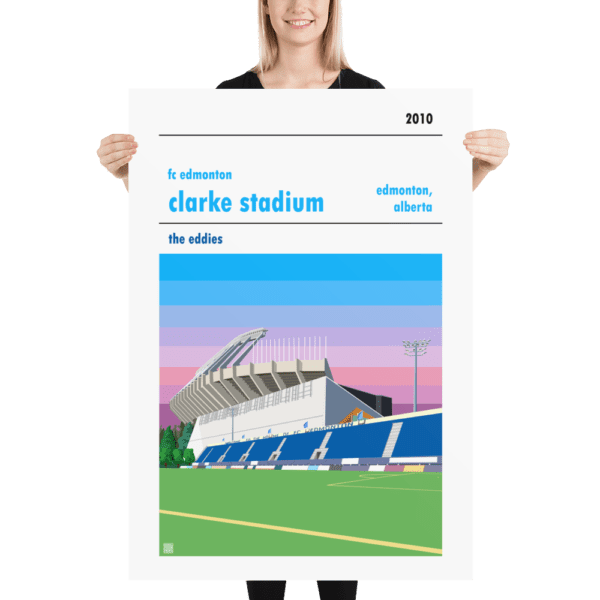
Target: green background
[(67, 68)]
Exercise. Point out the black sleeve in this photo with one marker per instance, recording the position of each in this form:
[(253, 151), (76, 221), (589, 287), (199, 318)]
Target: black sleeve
[(353, 80), (233, 83), (248, 80)]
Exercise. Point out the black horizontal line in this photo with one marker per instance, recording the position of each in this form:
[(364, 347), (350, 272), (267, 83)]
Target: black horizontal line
[(300, 134), (301, 223)]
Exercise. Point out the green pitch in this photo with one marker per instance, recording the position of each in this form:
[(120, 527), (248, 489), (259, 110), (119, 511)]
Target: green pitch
[(402, 508)]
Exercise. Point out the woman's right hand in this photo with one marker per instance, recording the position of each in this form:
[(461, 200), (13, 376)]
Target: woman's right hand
[(115, 152)]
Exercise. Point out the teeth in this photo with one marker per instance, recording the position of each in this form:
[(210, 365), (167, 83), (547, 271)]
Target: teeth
[(299, 22)]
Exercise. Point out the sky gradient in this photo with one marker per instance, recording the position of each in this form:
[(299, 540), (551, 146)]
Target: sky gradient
[(355, 309)]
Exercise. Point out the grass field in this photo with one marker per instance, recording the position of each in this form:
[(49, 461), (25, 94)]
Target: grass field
[(386, 514)]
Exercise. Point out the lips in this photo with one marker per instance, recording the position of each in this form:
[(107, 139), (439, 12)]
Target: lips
[(300, 23)]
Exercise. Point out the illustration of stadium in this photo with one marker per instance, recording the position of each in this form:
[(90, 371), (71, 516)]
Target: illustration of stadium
[(291, 414), (315, 430)]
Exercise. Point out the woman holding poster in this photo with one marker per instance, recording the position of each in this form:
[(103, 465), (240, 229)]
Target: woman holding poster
[(301, 48)]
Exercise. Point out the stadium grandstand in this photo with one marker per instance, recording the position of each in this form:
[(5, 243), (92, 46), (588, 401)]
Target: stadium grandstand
[(293, 415)]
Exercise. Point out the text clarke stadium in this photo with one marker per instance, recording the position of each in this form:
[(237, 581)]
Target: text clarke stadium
[(253, 203)]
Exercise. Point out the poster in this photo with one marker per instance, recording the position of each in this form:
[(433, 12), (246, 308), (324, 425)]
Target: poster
[(301, 314)]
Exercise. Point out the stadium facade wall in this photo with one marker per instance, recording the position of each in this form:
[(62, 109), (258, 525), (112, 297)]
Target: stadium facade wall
[(320, 403)]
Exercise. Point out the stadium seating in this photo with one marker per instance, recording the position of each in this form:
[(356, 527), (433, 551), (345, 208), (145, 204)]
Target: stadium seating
[(301, 446), (359, 441), (420, 436), (263, 449), (204, 454)]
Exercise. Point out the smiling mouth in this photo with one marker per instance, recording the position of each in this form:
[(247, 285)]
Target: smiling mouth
[(300, 24)]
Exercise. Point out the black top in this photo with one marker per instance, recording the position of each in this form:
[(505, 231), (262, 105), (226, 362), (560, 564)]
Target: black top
[(347, 79)]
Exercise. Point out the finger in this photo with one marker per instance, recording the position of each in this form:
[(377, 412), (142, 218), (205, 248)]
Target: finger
[(114, 167), (488, 150), (484, 133), (496, 142), (116, 156), (116, 137), (105, 150)]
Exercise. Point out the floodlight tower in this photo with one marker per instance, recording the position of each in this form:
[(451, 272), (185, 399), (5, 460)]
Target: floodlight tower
[(416, 349)]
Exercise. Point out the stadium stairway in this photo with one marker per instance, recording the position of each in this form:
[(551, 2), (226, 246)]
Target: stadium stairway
[(392, 439)]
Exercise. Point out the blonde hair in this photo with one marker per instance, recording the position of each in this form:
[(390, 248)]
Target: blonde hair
[(332, 51)]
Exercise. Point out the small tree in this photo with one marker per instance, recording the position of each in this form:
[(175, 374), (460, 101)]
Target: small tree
[(168, 439), (166, 456), (184, 440), (177, 431), (188, 456), (177, 456)]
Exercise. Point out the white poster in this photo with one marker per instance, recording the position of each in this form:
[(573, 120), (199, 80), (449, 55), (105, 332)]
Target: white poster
[(295, 258)]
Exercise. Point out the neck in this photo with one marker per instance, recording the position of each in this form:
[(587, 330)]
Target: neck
[(299, 64)]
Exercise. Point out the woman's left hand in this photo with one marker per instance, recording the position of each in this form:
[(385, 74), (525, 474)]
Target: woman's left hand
[(488, 146)]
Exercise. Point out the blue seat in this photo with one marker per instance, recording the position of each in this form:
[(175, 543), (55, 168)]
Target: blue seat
[(359, 441), (420, 436)]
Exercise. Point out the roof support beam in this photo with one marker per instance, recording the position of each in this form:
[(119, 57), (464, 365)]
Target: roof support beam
[(264, 390), (209, 389), (207, 402), (298, 370), (250, 394), (280, 383)]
